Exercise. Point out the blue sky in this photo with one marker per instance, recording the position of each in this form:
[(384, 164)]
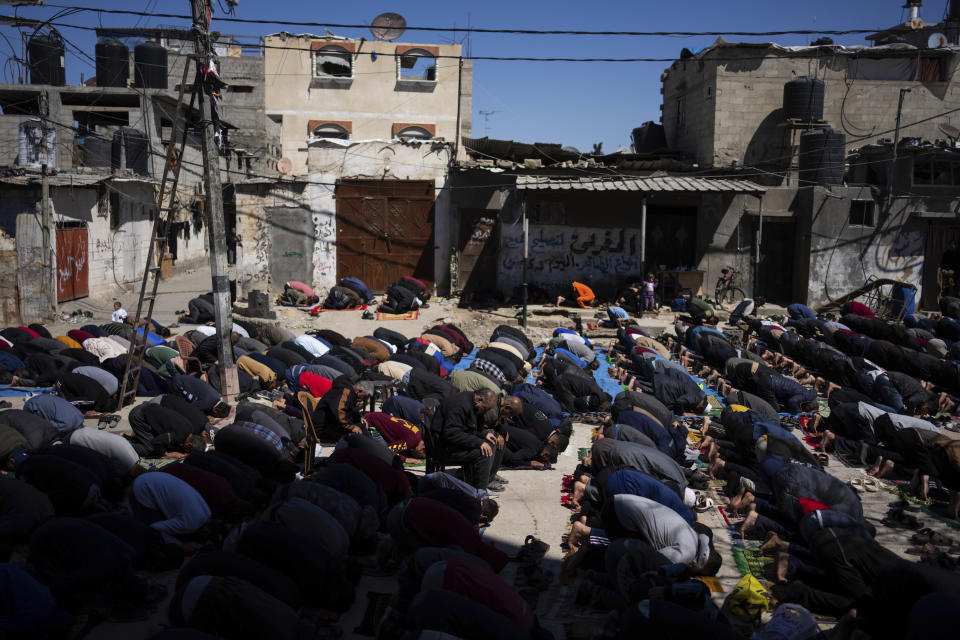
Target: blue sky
[(575, 104)]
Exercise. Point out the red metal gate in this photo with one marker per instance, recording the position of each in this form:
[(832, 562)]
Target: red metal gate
[(72, 264)]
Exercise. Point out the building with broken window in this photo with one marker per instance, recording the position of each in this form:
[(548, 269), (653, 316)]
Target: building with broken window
[(815, 126), (104, 143)]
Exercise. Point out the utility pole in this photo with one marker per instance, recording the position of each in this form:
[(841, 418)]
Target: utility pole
[(896, 143), (223, 308), (526, 259), (49, 269)]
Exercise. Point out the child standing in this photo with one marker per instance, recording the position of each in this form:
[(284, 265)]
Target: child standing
[(649, 286), (119, 313)]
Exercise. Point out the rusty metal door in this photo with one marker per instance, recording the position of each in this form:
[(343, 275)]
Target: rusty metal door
[(385, 231), (478, 259), (72, 264)]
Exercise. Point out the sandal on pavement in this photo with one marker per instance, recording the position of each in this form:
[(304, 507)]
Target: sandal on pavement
[(532, 550)]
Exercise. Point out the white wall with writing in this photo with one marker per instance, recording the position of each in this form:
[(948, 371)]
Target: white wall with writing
[(607, 257)]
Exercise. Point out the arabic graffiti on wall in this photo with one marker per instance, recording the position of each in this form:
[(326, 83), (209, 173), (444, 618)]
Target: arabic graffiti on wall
[(559, 254)]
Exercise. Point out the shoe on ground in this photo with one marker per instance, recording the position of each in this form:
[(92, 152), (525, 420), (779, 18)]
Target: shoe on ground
[(496, 487), (499, 478)]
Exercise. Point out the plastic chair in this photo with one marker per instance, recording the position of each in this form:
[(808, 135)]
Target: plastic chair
[(192, 364)]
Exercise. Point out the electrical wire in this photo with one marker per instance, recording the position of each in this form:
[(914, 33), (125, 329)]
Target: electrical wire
[(511, 31)]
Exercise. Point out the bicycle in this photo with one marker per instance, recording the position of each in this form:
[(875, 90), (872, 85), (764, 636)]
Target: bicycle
[(726, 289)]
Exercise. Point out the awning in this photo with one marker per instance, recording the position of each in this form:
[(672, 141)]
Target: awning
[(641, 185)]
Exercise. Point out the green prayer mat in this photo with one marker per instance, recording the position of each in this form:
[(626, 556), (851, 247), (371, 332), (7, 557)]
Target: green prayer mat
[(751, 561)]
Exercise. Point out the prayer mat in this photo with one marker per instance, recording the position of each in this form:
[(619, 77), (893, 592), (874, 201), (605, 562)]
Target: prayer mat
[(16, 392), (527, 467), (377, 604), (937, 509), (318, 310), (152, 464), (728, 517), (410, 315), (751, 561), (712, 583)]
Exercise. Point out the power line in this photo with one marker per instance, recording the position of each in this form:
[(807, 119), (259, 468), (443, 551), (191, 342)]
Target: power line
[(779, 54), (513, 31)]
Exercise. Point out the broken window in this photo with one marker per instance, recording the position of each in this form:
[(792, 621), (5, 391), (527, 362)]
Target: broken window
[(863, 213), (931, 170), (331, 130), (332, 61), (114, 210), (414, 133), (417, 64)]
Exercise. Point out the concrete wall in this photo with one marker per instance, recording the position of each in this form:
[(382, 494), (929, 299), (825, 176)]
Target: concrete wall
[(594, 238), (254, 226), (687, 112), (741, 113), (843, 257), (414, 160), (370, 103)]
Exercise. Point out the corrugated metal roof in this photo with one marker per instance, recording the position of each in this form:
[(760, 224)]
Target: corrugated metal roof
[(647, 185)]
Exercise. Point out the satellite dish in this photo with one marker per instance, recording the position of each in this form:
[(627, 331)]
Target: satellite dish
[(388, 26), (937, 40), (284, 165)]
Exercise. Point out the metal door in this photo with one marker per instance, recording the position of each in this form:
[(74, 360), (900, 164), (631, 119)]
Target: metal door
[(72, 265), (478, 260), (938, 240), (385, 231)]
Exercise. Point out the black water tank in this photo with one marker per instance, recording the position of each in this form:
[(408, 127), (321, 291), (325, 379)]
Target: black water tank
[(149, 66), (130, 150), (649, 137), (803, 99), (97, 151), (822, 157), (113, 63), (953, 12), (45, 57)]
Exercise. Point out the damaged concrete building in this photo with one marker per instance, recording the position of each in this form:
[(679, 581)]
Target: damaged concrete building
[(104, 144), (371, 128), (815, 126)]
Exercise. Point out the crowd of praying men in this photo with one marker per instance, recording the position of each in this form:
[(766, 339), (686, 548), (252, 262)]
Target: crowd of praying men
[(221, 492), (270, 538), (890, 388)]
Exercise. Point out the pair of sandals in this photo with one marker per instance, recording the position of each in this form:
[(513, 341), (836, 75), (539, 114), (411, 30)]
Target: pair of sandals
[(868, 484), (108, 421), (703, 503), (899, 519)]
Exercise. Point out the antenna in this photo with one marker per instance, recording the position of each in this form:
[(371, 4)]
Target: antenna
[(486, 120), (388, 26)]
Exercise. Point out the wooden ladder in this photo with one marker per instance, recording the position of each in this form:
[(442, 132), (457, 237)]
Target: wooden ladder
[(158, 245)]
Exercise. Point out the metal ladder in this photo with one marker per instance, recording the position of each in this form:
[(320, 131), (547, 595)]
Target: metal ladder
[(158, 245)]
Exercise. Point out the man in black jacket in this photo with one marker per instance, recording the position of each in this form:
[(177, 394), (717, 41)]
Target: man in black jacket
[(458, 426)]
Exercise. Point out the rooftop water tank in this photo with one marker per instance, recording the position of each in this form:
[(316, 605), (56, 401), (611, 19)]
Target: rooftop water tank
[(113, 63), (149, 66), (803, 99), (823, 157), (649, 137), (45, 59)]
